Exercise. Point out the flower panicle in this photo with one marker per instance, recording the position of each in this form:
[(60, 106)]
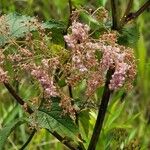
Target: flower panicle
[(84, 59)]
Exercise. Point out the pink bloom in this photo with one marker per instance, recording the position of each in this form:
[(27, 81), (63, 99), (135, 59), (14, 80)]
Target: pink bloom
[(118, 78), (3, 76), (46, 81)]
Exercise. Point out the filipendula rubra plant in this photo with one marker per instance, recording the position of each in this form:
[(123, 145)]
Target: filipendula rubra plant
[(56, 70)]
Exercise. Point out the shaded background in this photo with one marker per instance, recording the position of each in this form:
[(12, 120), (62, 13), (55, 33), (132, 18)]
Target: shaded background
[(132, 113)]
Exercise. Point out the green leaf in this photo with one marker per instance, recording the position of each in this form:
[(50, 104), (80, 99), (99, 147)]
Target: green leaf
[(129, 35), (62, 83), (84, 118), (114, 112), (6, 131), (53, 24), (53, 119), (18, 28)]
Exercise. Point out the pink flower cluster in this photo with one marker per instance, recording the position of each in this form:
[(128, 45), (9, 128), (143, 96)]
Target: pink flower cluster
[(83, 49), (113, 57), (45, 80), (79, 34), (119, 76), (3, 76)]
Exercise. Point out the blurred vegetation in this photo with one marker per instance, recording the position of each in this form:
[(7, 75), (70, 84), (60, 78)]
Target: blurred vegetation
[(128, 117)]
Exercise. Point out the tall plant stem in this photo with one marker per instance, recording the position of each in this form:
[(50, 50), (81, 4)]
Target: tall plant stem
[(101, 112), (114, 15), (70, 15), (70, 12), (106, 94)]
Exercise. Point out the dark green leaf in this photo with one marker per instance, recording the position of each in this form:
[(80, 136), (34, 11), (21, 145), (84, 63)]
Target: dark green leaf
[(129, 35), (53, 24), (53, 119)]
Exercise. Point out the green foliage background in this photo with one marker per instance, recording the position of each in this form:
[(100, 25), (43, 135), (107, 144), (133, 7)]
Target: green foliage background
[(128, 118)]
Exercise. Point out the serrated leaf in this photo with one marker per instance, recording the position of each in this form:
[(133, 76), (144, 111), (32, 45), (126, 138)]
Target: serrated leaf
[(17, 25), (129, 35), (6, 131), (54, 120)]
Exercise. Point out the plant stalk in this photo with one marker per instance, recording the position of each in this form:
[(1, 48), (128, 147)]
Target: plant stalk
[(127, 11), (102, 111), (107, 92), (134, 15), (30, 111), (114, 15), (17, 97)]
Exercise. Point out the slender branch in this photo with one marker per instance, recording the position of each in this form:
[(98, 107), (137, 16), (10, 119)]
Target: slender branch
[(30, 111), (69, 24), (101, 113), (17, 97), (70, 15), (80, 146), (29, 140), (70, 6), (70, 91), (114, 14), (127, 11), (137, 13)]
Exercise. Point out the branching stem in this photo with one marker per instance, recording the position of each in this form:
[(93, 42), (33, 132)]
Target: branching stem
[(63, 141), (70, 15), (128, 16), (137, 13), (127, 11), (107, 92)]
